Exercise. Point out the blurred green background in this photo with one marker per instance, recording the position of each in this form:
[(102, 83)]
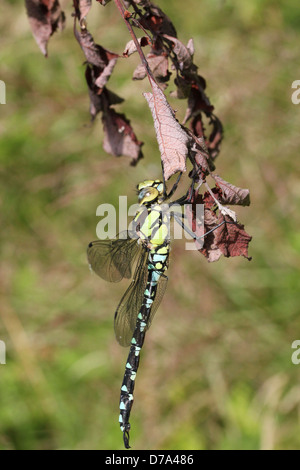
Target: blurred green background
[(216, 370)]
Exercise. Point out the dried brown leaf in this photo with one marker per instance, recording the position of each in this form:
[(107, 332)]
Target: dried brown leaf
[(210, 248), (130, 47), (104, 76), (227, 238), (216, 136), (201, 161), (197, 102), (183, 89), (101, 64), (171, 137), (183, 55), (232, 239), (45, 17), (222, 236), (190, 47), (156, 20), (158, 64), (84, 7), (119, 138), (231, 194), (94, 53), (100, 99)]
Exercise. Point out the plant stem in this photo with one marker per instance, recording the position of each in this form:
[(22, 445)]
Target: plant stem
[(122, 11)]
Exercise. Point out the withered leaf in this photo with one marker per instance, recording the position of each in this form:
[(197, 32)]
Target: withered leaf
[(190, 47), (210, 248), (45, 17), (197, 102), (215, 133), (231, 194), (222, 236), (119, 138), (232, 239), (216, 136), (105, 74), (226, 238), (140, 72), (156, 20), (171, 137), (158, 64), (200, 159), (96, 99), (183, 55), (201, 228), (94, 53), (183, 88), (130, 47), (101, 63), (100, 99), (197, 126), (84, 7)]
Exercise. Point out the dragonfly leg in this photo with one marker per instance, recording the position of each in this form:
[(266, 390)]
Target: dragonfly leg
[(192, 234), (175, 186)]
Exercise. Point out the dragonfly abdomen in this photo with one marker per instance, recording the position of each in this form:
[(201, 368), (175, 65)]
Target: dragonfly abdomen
[(157, 264)]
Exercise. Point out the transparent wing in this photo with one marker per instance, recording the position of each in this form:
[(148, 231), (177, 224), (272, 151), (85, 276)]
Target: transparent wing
[(113, 259), (131, 302), (128, 308)]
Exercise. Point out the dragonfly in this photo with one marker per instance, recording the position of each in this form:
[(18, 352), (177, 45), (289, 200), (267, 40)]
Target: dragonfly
[(147, 246)]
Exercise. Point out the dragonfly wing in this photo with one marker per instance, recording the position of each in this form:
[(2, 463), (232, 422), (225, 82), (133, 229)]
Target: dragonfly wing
[(113, 259), (130, 304), (132, 300)]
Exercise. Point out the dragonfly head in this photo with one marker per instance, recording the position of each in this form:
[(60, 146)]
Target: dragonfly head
[(149, 191)]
